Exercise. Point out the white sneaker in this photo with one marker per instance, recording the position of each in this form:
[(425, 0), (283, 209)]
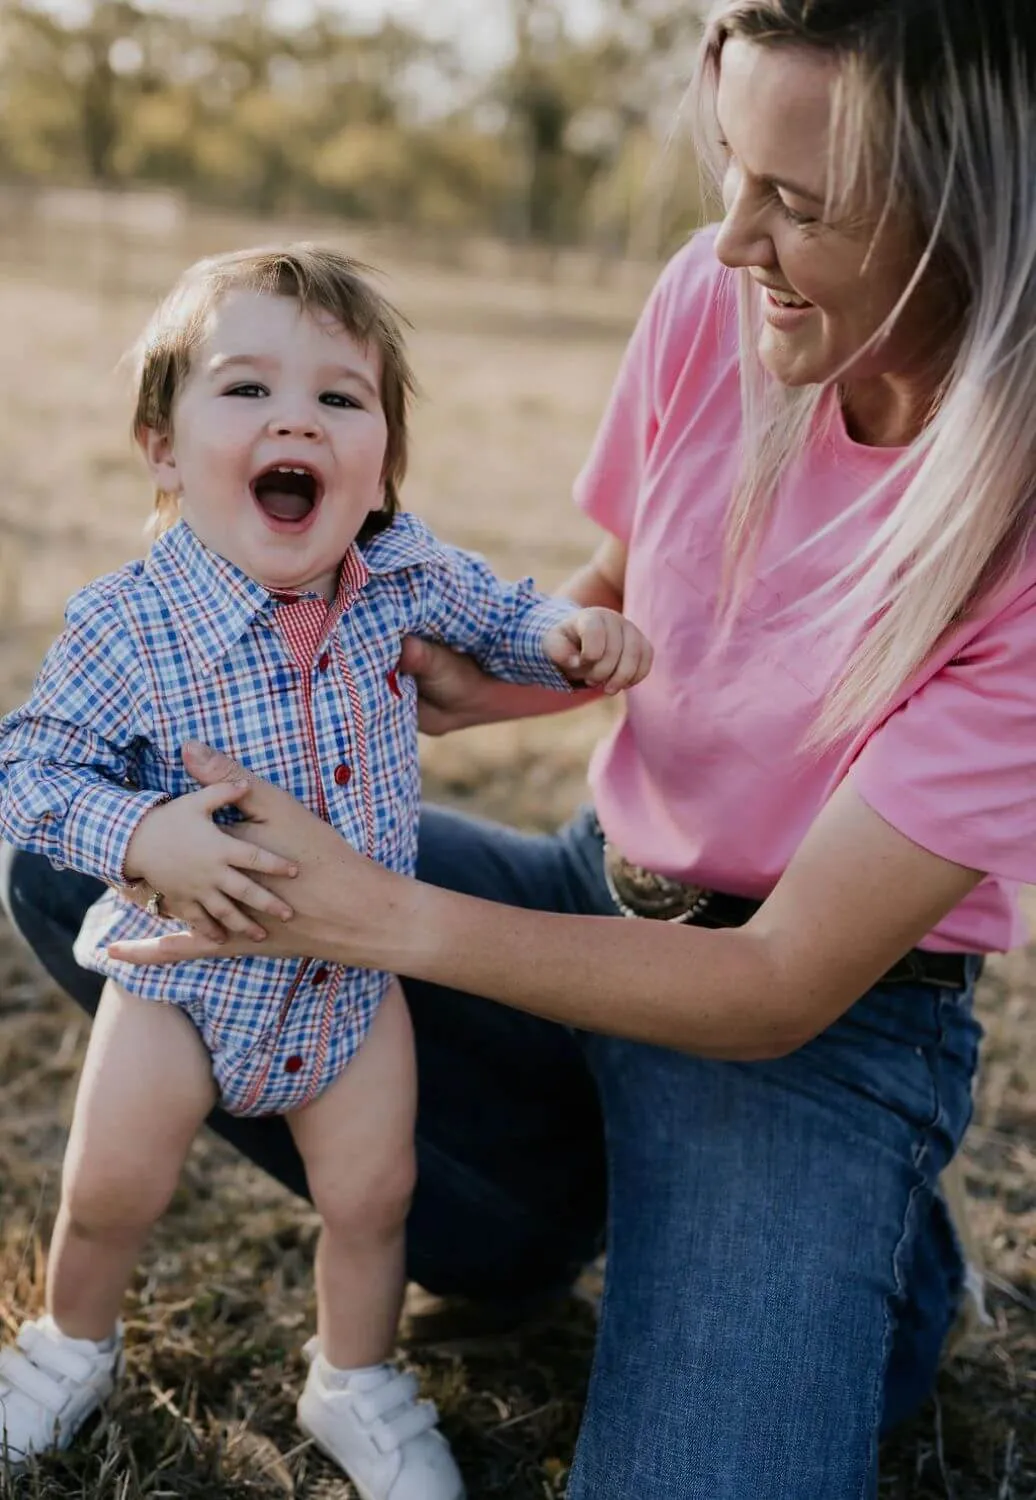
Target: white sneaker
[(372, 1425), (49, 1385)]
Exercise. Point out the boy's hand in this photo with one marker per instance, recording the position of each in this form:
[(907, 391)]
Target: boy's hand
[(600, 648), (199, 869)]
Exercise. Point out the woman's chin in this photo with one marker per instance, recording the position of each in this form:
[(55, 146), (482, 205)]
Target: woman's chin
[(791, 362)]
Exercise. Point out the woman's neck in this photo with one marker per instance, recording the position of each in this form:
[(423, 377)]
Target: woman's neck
[(886, 412)]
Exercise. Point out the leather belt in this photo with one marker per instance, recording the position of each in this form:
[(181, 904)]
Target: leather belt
[(642, 893)]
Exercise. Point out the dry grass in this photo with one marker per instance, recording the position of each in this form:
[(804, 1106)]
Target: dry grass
[(515, 377)]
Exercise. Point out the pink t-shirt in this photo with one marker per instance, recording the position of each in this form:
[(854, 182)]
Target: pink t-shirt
[(706, 777)]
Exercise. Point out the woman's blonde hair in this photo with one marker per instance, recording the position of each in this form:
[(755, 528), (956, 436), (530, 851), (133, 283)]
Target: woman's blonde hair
[(935, 108), (319, 280)]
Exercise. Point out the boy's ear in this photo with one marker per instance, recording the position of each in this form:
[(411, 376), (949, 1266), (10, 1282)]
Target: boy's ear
[(157, 448)]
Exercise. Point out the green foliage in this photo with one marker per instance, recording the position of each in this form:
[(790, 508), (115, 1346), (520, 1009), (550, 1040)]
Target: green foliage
[(219, 101)]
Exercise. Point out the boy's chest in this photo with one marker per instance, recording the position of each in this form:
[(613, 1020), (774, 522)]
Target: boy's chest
[(328, 718)]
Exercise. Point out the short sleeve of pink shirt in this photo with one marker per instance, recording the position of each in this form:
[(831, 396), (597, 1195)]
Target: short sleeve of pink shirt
[(706, 777)]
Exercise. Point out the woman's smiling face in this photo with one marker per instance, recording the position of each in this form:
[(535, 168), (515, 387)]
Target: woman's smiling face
[(828, 278)]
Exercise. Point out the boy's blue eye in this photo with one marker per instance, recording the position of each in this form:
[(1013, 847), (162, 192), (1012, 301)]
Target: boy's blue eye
[(252, 390)]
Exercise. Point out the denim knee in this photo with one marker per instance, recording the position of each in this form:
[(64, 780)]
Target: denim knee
[(46, 907)]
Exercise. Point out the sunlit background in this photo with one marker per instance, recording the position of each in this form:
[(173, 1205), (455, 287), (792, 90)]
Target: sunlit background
[(535, 120), (516, 170)]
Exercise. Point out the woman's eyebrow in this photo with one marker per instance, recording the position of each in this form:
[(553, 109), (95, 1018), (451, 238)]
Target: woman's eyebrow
[(795, 188)]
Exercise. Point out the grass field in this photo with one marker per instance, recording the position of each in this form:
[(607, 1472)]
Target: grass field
[(515, 374)]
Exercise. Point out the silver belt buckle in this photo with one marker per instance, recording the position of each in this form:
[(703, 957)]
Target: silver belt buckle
[(638, 892)]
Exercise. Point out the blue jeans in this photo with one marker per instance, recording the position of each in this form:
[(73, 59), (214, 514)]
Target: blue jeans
[(781, 1272)]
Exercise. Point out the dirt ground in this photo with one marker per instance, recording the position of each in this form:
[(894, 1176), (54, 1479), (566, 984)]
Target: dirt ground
[(515, 374)]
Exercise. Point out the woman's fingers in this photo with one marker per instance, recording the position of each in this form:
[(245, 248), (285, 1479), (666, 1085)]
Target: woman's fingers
[(447, 684), (222, 794), (234, 920), (273, 816), (210, 766), (200, 922), (333, 879), (171, 948), (418, 657)]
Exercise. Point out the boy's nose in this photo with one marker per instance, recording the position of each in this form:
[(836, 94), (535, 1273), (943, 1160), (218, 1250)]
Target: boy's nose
[(303, 427)]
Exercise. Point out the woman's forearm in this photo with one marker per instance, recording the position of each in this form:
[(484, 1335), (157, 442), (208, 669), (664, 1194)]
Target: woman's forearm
[(827, 932), (494, 702), (713, 993), (592, 588)]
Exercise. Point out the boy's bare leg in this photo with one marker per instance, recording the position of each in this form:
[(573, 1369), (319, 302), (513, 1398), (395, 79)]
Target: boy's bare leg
[(145, 1089), (357, 1142)]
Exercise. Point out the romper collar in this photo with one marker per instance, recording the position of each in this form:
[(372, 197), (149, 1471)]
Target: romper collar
[(214, 602)]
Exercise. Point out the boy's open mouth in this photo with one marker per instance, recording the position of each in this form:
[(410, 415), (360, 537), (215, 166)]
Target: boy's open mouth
[(287, 493)]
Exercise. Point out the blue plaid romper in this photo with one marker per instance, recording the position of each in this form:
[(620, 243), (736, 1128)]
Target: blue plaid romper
[(183, 645)]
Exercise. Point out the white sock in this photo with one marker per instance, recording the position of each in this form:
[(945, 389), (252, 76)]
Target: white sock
[(363, 1378), (99, 1346)]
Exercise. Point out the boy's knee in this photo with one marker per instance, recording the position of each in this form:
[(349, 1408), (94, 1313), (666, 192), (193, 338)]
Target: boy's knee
[(368, 1202), (100, 1202)]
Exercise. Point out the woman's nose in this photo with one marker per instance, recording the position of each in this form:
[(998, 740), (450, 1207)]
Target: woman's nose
[(742, 239)]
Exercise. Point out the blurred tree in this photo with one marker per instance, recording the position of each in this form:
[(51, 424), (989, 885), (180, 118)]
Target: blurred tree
[(76, 80), (541, 92), (590, 117), (217, 98), (38, 115)]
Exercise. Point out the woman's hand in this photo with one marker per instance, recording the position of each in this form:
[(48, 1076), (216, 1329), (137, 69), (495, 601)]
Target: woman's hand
[(454, 692), (331, 877), (202, 875), (827, 933), (449, 686)]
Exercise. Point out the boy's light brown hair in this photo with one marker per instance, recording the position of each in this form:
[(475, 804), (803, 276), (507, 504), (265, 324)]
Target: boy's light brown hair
[(319, 279)]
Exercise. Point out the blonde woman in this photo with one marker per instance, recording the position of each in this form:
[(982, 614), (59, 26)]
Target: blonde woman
[(816, 482)]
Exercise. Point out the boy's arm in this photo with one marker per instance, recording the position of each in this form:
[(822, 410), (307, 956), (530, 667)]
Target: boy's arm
[(65, 755), (503, 626), (455, 694)]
